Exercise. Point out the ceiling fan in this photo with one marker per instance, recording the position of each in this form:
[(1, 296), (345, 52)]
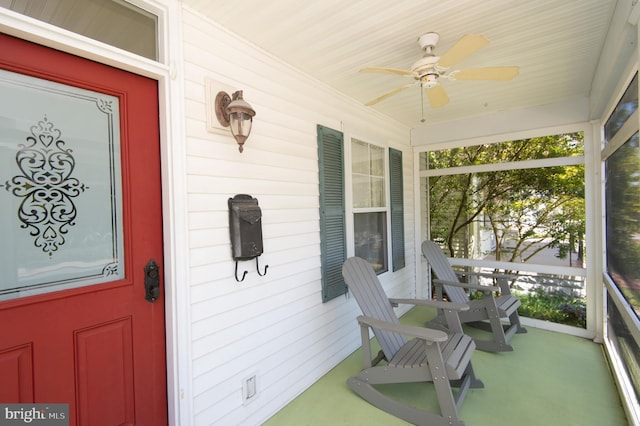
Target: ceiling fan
[(431, 68)]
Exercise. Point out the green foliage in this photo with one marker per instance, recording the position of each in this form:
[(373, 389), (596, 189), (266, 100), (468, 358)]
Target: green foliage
[(527, 210), (523, 207), (556, 307)]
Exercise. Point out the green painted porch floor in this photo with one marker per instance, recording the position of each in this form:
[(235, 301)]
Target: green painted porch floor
[(549, 379)]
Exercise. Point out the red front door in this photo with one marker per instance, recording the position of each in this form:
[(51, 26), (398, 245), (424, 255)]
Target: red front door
[(67, 334)]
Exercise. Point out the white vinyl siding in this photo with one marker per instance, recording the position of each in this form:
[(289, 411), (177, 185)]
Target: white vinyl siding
[(274, 326)]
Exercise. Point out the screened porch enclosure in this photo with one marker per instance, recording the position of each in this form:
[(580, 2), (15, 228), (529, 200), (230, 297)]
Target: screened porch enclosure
[(541, 208), (514, 207)]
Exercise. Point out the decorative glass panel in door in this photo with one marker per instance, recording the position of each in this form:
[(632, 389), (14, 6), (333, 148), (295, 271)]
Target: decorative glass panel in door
[(60, 187)]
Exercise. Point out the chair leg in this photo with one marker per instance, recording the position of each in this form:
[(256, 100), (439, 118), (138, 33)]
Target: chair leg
[(468, 381), (475, 382), (498, 342), (514, 319), (448, 404)]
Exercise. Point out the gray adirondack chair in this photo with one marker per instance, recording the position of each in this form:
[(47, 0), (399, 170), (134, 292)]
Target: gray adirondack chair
[(443, 358), (485, 313)]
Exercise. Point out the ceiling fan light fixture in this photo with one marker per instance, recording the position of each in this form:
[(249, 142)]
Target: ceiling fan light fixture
[(429, 81)]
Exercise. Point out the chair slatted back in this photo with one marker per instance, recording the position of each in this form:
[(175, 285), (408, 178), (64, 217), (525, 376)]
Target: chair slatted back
[(365, 287), (443, 271)]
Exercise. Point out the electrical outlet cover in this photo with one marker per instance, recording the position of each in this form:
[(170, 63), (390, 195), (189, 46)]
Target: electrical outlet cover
[(249, 388)]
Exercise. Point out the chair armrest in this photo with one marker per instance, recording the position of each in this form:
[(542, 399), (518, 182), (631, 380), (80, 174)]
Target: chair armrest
[(484, 288), (431, 303), (407, 330)]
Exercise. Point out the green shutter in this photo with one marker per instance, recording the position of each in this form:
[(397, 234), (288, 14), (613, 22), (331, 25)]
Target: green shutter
[(397, 208), (332, 212)]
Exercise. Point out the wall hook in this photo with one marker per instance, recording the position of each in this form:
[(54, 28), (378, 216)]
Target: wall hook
[(258, 268), (244, 274)]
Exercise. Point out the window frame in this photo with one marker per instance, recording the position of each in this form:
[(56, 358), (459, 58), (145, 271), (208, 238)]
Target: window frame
[(138, 9), (353, 211), (621, 304)]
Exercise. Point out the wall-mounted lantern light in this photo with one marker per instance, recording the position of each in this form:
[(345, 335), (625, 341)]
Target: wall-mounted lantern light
[(235, 113)]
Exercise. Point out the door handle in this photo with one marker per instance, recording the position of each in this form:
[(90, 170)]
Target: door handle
[(152, 281)]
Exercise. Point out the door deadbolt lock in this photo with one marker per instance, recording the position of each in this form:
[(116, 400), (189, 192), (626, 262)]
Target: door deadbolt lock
[(152, 281)]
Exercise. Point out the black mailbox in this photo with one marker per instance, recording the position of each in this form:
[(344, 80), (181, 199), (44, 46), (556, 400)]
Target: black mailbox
[(245, 225), (245, 229)]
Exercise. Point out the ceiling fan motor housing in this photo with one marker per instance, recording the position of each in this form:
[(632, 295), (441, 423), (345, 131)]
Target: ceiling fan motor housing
[(425, 65), (428, 40)]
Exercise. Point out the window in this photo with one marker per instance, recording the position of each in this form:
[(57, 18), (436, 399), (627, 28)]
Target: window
[(369, 203), (376, 220), (627, 105), (115, 22), (622, 196), (622, 189), (621, 156)]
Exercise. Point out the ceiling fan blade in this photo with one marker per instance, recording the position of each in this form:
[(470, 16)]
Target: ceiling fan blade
[(466, 46), (389, 94), (383, 70), (491, 73), (437, 96)]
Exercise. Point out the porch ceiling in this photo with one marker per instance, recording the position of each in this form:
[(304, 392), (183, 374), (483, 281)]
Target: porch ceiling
[(556, 44)]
